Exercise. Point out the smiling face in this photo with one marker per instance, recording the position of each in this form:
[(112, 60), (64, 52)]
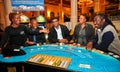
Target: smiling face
[(98, 22), (82, 19), (34, 24), (55, 22), (16, 19)]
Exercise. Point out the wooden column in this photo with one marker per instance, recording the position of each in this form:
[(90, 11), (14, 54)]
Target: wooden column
[(99, 6), (8, 9), (84, 8), (73, 13), (2, 15), (119, 5), (61, 16)]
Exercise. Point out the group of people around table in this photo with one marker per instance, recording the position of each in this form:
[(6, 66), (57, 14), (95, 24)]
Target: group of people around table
[(104, 37)]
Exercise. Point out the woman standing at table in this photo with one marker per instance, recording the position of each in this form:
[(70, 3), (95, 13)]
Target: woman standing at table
[(14, 37)]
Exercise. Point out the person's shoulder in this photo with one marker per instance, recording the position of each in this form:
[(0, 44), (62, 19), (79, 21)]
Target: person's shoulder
[(39, 28), (62, 25), (21, 25), (77, 25), (52, 29), (8, 27), (89, 25)]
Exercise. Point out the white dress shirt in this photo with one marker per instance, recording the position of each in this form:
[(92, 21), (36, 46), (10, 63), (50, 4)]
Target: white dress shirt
[(59, 33)]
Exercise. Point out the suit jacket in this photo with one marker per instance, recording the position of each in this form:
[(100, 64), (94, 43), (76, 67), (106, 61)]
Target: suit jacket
[(52, 36), (89, 31), (40, 38)]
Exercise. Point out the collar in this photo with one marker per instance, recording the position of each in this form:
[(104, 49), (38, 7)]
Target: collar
[(104, 25), (58, 27), (34, 29), (85, 25)]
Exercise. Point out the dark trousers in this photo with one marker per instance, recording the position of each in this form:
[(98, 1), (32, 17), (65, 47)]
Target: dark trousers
[(3, 68)]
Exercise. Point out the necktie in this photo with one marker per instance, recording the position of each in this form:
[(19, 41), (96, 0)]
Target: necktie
[(34, 38)]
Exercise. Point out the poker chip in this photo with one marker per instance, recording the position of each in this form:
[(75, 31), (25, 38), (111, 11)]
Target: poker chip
[(93, 49), (38, 44), (110, 53), (116, 56), (79, 51), (61, 47), (85, 66), (100, 51)]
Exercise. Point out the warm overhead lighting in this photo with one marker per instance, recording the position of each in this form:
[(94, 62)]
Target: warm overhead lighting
[(62, 14), (48, 14), (85, 1)]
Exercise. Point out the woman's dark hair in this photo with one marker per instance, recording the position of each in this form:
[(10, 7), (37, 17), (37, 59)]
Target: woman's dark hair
[(107, 20), (84, 16), (12, 15)]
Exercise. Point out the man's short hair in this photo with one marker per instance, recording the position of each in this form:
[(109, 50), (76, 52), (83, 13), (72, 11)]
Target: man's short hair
[(54, 18), (31, 19)]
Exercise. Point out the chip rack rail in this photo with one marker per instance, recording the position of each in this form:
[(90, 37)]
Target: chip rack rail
[(47, 63)]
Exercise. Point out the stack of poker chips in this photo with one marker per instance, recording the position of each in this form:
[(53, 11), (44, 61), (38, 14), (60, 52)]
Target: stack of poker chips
[(57, 61), (114, 55), (108, 53)]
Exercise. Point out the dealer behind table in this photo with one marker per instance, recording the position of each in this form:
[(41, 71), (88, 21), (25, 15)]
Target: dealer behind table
[(14, 37), (106, 39)]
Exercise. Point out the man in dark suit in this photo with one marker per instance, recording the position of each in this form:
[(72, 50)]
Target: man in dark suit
[(58, 33)]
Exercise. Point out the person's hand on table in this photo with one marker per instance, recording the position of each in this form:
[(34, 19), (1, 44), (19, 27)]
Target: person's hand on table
[(63, 40), (78, 45), (71, 41), (89, 45), (30, 42)]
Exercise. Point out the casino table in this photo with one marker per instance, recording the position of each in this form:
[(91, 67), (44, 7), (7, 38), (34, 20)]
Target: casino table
[(82, 60)]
